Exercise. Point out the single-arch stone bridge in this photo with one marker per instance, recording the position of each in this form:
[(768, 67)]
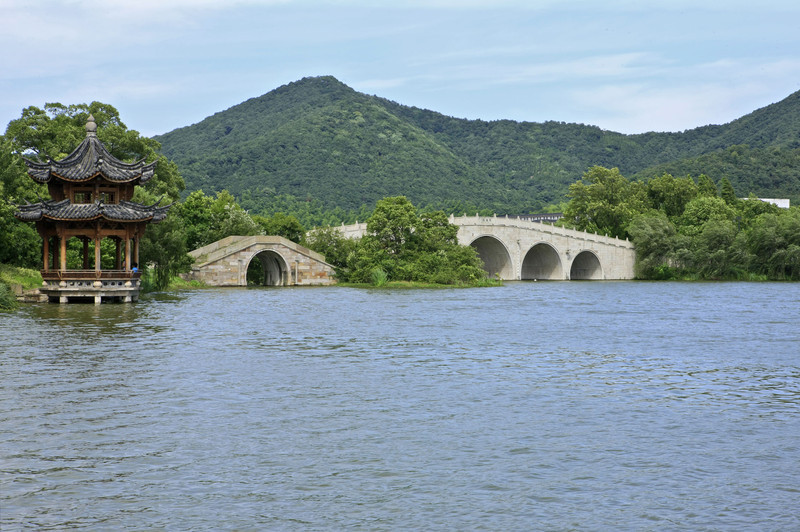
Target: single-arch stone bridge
[(514, 249), (283, 263)]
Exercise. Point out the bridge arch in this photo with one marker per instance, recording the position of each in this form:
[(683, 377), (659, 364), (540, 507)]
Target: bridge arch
[(495, 256), (542, 262), (586, 265), (271, 269)]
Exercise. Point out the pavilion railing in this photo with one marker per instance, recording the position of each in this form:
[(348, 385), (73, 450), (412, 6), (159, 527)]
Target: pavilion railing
[(83, 275)]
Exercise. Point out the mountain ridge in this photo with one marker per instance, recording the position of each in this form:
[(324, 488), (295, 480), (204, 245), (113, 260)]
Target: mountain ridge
[(318, 139)]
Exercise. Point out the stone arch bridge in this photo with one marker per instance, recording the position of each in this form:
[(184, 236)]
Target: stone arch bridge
[(282, 262), (514, 249), (510, 248)]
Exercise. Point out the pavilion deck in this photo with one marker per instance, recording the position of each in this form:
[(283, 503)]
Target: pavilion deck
[(66, 286)]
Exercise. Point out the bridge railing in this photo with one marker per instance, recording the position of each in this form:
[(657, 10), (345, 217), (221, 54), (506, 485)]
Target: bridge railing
[(358, 230)]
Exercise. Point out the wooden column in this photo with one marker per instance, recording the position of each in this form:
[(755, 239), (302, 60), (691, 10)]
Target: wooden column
[(85, 252), (46, 253), (128, 252), (62, 254), (118, 263), (97, 250)]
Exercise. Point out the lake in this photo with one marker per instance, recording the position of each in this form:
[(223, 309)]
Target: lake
[(532, 406)]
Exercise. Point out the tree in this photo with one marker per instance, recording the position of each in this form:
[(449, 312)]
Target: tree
[(706, 186), (280, 224), (56, 130), (403, 246), (727, 193), (164, 247), (607, 204), (713, 247), (336, 249), (653, 236), (671, 195), (774, 242), (702, 209), (392, 224), (208, 219), (20, 245)]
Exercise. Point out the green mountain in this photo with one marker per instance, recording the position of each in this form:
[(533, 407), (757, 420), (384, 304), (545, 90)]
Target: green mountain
[(318, 140)]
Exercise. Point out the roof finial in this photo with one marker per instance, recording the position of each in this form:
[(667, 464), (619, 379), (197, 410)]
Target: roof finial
[(91, 127)]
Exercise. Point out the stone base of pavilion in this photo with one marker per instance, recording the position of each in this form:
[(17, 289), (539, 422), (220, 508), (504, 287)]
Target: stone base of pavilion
[(90, 286)]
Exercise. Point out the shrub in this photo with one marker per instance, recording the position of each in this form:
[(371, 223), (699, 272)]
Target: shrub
[(379, 277), (7, 299)]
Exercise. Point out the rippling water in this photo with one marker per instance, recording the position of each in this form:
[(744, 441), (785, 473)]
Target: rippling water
[(550, 406)]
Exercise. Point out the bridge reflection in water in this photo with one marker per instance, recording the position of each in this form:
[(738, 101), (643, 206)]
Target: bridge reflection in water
[(515, 249)]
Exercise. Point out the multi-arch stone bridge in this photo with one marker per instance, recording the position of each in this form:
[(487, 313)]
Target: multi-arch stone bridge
[(514, 249)]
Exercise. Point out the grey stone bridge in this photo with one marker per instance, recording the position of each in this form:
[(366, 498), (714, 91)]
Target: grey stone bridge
[(283, 263), (514, 249)]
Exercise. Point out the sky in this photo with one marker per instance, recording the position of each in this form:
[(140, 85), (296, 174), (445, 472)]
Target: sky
[(624, 65)]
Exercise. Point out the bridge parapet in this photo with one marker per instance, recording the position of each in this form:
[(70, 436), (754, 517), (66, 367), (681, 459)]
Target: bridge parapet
[(543, 227)]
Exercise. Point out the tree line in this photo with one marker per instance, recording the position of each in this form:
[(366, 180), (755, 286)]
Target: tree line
[(686, 228)]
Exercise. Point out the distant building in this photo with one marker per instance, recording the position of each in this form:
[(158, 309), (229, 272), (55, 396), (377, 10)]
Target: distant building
[(782, 203)]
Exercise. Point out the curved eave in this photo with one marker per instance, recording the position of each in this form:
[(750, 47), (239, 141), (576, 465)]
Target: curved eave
[(88, 161), (63, 211), (44, 216)]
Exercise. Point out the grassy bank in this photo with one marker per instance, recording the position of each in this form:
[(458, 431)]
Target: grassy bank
[(12, 276)]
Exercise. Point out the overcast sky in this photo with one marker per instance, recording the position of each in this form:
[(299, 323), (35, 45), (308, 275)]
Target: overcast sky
[(624, 65)]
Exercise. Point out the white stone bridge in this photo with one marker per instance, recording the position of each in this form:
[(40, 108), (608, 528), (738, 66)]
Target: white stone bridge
[(514, 249)]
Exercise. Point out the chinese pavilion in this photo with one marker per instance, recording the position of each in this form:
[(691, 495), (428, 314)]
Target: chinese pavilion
[(91, 193)]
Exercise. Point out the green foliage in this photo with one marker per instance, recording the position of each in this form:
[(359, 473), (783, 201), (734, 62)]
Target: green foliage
[(207, 219), (766, 172), (337, 250), (28, 278), (19, 243), (670, 195), (401, 245), (654, 237), (727, 193), (392, 225), (379, 277), (703, 209), (7, 299), (774, 243), (56, 130), (706, 187), (280, 224), (607, 205), (11, 275), (164, 247), (685, 231)]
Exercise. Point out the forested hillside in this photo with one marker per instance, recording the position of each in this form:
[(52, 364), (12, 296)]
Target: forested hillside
[(318, 146)]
